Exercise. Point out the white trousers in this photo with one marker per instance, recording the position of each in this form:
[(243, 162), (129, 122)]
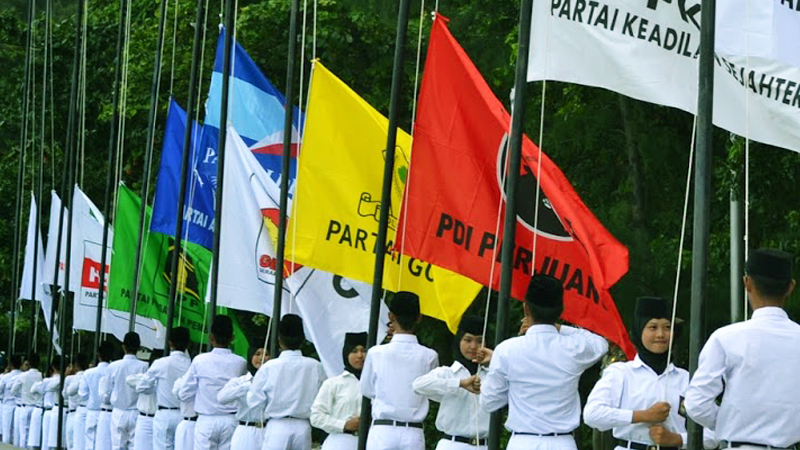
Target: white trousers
[(247, 438), (524, 442), (47, 418), (70, 429), (123, 428), (387, 437), (340, 441), (214, 432), (79, 433), (445, 444), (8, 422), (22, 421), (35, 430), (102, 440), (184, 435), (164, 425), (143, 438), (92, 417), (52, 431), (287, 434)]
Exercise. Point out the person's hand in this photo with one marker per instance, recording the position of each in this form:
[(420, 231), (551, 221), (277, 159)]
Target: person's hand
[(654, 414), (662, 436), (483, 356), (472, 384), (352, 424)]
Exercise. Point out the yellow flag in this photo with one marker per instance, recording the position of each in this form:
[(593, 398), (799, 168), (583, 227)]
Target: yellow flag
[(336, 203)]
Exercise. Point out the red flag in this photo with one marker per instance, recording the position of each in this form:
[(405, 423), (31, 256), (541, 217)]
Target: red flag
[(454, 198)]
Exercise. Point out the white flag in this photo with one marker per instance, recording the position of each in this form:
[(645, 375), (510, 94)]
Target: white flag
[(48, 273), (26, 288), (330, 306), (649, 50), (758, 28)]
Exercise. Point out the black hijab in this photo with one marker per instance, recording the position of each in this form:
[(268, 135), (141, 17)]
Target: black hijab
[(250, 353), (647, 309), (351, 341), (471, 325)]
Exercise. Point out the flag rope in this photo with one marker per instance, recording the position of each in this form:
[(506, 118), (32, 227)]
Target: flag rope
[(172, 61), (747, 165)]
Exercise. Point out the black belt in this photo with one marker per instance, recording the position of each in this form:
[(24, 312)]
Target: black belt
[(523, 433), (465, 440), (397, 423), (72, 410), (191, 419), (49, 409), (105, 410), (162, 408), (245, 423), (146, 415), (735, 444), (638, 446)]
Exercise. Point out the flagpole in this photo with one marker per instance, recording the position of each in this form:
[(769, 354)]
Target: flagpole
[(18, 199), (112, 143), (737, 256), (512, 180), (68, 179), (386, 199), (284, 200), (702, 196), (148, 156), (200, 25)]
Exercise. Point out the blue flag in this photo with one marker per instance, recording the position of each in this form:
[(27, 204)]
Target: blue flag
[(255, 108), (198, 214)]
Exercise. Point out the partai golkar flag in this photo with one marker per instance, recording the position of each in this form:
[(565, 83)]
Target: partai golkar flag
[(334, 220)]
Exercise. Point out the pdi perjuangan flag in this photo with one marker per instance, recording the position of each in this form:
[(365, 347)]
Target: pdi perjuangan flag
[(461, 134), (337, 202), (198, 215), (649, 50)]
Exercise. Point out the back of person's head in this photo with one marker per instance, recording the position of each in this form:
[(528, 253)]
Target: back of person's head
[(106, 351), (771, 273), (55, 365), (155, 354), (222, 330), (33, 360), (16, 360), (131, 342), (179, 337), (545, 298), (291, 331), (405, 307), (80, 361)]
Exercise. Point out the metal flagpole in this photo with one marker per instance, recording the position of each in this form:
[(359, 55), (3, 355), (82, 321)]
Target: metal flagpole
[(32, 82), (702, 196), (284, 200), (148, 156), (737, 257), (512, 178), (386, 198), (230, 26), (187, 148), (112, 143), (68, 178), (23, 138)]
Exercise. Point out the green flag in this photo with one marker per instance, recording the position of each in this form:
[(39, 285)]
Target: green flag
[(190, 308)]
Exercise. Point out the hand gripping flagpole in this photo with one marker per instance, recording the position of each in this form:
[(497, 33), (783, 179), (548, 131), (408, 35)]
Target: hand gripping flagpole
[(702, 197), (284, 199), (199, 26), (386, 198), (510, 224)]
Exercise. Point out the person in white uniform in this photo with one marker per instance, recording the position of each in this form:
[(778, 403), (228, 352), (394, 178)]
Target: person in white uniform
[(754, 365), (147, 407), (184, 432), (537, 374), (102, 440), (72, 400), (9, 399), (51, 386), (387, 378), (464, 424), (73, 390), (123, 397), (89, 391), (285, 388), (207, 375), (37, 411), (159, 380), (337, 408), (22, 389), (251, 420), (640, 399)]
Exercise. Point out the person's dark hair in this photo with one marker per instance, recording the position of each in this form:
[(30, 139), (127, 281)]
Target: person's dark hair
[(16, 361), (222, 329), (155, 354), (406, 309), (55, 365), (131, 342), (291, 331), (179, 337), (80, 360), (106, 351), (771, 288), (545, 298), (33, 360)]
